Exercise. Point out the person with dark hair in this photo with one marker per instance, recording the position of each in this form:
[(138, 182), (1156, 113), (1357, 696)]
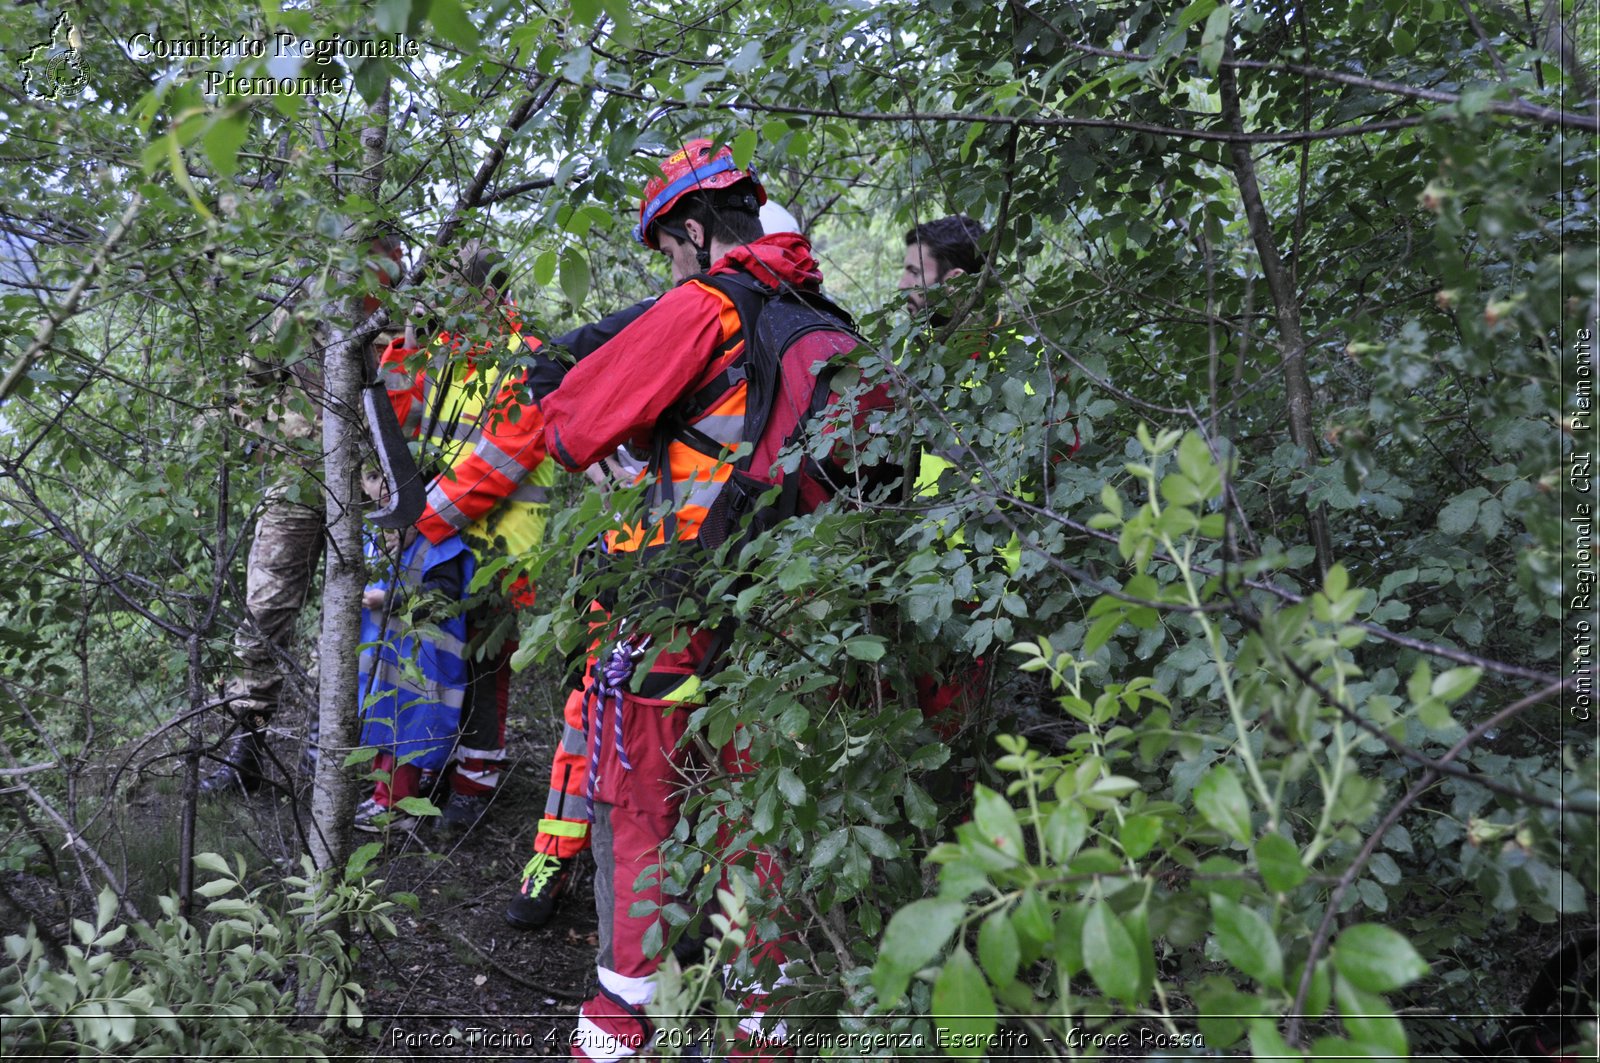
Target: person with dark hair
[(467, 403), (937, 251), (562, 834), (675, 382), (287, 542)]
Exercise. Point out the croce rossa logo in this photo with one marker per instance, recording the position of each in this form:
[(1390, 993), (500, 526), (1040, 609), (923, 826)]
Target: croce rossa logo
[(54, 70)]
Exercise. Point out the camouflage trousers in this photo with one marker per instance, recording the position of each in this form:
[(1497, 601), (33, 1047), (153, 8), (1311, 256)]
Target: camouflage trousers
[(278, 573)]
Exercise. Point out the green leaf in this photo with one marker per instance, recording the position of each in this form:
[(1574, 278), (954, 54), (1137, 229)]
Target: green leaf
[(1214, 37), (574, 276), (392, 16), (866, 648), (1139, 835), (829, 848), (744, 145), (1111, 500), (1179, 490), (1065, 829), (1108, 954), (215, 888), (997, 822), (451, 20), (1221, 800), (963, 1006), (1267, 1043), (361, 859), (876, 842), (212, 862), (921, 811), (1435, 715), (544, 268), (1278, 859), (417, 806), (915, 935), (1247, 941), (790, 786), (223, 140), (621, 12), (997, 948), (1459, 516), (1196, 11), (1368, 1017), (1376, 959), (371, 78), (361, 755), (1456, 683), (1194, 457)]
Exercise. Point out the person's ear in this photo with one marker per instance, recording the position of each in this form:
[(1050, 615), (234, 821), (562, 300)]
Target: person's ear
[(695, 231), (953, 274)]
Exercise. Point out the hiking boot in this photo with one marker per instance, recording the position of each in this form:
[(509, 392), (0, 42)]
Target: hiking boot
[(464, 812), (544, 881), (375, 818), (241, 769), (431, 784)]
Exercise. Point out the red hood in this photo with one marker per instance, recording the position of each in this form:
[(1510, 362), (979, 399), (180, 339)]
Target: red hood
[(783, 258)]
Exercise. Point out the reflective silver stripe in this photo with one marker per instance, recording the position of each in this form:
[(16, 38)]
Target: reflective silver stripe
[(389, 673), (722, 428), (702, 494), (467, 430), (447, 643), (415, 568), (447, 510), (505, 464), (558, 805), (531, 493), (572, 740)]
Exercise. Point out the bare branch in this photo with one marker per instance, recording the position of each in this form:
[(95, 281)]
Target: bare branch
[(69, 306)]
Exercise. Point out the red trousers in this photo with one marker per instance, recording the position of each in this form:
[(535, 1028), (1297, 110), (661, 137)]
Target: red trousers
[(635, 809)]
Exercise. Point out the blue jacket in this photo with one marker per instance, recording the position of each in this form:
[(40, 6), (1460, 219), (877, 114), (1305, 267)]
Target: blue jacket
[(413, 676)]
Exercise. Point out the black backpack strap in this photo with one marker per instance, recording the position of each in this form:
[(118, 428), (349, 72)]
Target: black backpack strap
[(707, 395), (749, 298)]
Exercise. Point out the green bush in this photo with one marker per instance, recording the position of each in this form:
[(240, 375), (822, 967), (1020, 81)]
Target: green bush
[(225, 987)]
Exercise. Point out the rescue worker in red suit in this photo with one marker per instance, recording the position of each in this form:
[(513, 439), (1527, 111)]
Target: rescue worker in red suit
[(562, 835), (701, 212)]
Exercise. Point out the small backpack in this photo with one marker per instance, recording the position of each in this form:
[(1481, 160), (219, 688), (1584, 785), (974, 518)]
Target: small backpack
[(773, 321)]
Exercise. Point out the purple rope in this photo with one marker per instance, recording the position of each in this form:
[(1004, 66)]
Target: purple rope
[(609, 682)]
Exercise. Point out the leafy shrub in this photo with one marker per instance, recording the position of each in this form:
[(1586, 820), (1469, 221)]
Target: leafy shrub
[(225, 987)]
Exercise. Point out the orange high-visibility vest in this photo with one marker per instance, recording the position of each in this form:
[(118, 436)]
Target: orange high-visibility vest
[(688, 478)]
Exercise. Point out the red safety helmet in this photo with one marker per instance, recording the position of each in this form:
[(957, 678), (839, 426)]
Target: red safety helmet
[(692, 168)]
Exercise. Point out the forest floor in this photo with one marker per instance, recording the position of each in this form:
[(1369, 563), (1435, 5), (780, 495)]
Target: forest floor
[(459, 980)]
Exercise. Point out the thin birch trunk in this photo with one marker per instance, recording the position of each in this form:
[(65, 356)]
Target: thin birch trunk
[(333, 795)]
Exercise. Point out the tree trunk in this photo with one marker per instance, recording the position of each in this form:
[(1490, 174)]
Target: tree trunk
[(1285, 300), (332, 794)]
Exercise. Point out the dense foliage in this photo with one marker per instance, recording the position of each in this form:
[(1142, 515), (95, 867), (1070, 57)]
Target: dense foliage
[(1271, 407)]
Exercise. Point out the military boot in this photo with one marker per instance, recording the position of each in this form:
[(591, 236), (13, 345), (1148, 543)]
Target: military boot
[(243, 766)]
